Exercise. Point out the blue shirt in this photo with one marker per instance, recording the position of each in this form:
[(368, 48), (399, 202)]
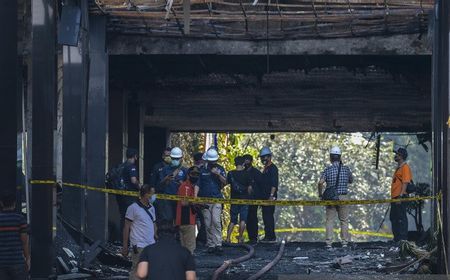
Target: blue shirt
[(129, 171), (329, 175), (172, 186), (209, 184)]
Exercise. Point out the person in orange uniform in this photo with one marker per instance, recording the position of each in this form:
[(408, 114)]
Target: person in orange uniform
[(402, 177), (185, 217)]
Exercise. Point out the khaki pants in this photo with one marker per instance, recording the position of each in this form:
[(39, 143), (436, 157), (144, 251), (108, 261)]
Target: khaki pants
[(135, 261), (342, 212), (213, 225), (187, 237)]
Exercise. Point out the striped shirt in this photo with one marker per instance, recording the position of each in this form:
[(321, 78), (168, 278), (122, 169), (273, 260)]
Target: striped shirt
[(12, 225), (345, 177)]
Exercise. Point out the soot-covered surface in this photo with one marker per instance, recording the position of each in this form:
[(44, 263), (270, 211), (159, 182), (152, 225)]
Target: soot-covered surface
[(299, 258), (302, 258)]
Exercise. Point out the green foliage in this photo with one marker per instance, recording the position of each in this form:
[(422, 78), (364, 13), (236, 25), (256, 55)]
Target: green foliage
[(301, 157)]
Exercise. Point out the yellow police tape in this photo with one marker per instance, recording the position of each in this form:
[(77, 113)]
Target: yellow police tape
[(210, 200), (351, 231)]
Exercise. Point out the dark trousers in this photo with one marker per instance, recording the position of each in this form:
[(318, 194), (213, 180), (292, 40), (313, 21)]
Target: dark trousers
[(201, 236), (252, 222), (123, 202), (399, 221), (16, 272), (269, 221)]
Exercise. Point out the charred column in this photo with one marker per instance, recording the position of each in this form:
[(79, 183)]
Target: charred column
[(43, 119), (8, 88), (97, 123), (116, 142), (441, 120), (75, 88)]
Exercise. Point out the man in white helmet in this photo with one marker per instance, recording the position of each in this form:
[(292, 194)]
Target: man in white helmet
[(171, 177), (211, 181), (336, 176), (269, 184)]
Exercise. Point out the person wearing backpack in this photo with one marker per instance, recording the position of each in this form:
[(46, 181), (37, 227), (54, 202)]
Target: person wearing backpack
[(402, 177), (240, 184), (336, 177), (139, 227), (127, 181)]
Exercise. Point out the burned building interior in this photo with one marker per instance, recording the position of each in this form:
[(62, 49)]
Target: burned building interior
[(97, 76)]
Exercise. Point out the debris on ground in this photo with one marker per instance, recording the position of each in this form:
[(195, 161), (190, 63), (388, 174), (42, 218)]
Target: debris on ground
[(299, 258)]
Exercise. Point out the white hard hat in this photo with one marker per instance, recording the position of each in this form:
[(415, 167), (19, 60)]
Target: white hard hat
[(211, 155), (335, 150), (265, 151), (176, 153)]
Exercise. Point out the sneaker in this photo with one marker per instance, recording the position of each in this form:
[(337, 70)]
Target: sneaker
[(218, 250), (211, 250), (252, 241)]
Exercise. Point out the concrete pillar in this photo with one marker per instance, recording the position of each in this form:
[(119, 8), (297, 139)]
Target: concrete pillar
[(8, 88), (97, 130), (116, 142), (43, 120), (75, 89), (441, 122)]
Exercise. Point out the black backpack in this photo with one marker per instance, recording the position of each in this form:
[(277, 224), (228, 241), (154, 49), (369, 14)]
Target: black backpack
[(236, 186), (114, 178)]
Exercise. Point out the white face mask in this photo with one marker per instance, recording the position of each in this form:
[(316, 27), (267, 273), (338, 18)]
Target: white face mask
[(175, 162), (152, 198)]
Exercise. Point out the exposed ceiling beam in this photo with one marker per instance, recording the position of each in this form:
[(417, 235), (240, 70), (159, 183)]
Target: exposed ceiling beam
[(411, 44)]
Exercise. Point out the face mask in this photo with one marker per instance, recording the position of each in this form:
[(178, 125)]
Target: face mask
[(193, 180), (175, 162), (167, 160), (152, 198), (264, 160)]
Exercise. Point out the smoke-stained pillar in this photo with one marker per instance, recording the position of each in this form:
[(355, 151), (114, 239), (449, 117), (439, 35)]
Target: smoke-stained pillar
[(43, 121), (441, 123), (97, 130), (8, 88), (116, 141)]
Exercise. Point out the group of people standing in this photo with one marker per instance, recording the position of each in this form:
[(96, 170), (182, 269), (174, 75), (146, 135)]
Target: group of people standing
[(338, 176), (206, 178), (141, 219)]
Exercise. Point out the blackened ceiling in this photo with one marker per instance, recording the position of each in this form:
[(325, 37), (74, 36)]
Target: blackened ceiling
[(278, 93)]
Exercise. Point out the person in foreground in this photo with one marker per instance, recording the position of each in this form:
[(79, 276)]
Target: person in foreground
[(166, 259), (14, 240)]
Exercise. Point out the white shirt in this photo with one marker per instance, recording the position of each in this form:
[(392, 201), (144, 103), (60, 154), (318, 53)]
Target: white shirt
[(142, 232)]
